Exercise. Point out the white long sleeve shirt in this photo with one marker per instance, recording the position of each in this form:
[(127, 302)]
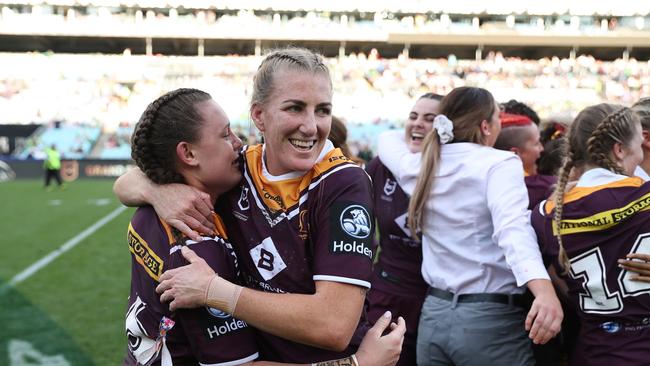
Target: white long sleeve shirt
[(476, 234)]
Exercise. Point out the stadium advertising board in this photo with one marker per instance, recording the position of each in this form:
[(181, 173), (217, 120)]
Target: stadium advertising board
[(72, 170)]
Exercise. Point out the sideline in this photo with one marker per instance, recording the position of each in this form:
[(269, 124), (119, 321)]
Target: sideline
[(38, 265)]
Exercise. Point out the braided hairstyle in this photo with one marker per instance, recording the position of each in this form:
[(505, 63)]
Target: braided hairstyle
[(168, 120), (291, 57), (591, 138)]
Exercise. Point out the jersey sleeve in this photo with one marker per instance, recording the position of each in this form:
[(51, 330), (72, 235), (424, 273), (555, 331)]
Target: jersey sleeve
[(344, 229), (541, 224), (149, 247)]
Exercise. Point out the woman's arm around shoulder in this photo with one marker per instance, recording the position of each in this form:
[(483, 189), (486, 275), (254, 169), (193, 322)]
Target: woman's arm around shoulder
[(183, 207)]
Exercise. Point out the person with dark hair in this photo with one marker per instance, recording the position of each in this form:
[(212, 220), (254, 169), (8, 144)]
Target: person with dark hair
[(184, 137), (300, 221), (584, 231), (553, 139), (397, 284), (515, 107), (339, 138), (479, 250)]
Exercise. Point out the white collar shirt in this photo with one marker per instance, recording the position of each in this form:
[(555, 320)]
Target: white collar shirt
[(476, 234)]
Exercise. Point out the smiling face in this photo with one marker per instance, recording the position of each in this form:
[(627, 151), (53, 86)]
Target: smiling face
[(420, 122), (295, 120), (216, 152), (531, 149)]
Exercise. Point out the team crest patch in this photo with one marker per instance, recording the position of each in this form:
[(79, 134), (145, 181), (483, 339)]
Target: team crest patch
[(355, 221), (144, 255), (243, 200), (389, 187)]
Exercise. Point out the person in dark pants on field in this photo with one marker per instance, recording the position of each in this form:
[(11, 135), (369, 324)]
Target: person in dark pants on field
[(52, 166)]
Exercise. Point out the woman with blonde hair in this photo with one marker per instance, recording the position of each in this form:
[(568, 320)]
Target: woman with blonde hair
[(479, 250), (300, 222)]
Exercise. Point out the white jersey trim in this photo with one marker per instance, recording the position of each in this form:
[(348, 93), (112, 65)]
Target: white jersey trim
[(352, 281), (250, 358)]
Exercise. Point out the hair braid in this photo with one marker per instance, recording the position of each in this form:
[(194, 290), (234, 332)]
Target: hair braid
[(563, 179), (613, 129), (168, 120)]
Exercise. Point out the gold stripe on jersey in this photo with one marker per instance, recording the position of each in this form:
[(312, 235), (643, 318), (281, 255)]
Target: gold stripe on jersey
[(283, 195), (144, 255), (604, 220), (168, 231), (578, 192), (220, 227)]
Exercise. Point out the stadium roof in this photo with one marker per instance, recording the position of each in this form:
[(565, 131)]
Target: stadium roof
[(546, 7)]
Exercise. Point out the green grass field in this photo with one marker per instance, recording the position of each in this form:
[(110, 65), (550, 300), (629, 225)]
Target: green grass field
[(70, 311)]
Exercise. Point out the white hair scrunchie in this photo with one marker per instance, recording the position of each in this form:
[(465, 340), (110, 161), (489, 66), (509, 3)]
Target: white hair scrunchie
[(445, 128)]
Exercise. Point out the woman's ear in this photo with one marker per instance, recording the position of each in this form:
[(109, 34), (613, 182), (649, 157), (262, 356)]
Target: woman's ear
[(485, 128), (185, 154), (618, 151), (256, 116)]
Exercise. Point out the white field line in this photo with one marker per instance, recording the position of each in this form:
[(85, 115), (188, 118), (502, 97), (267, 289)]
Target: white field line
[(38, 265)]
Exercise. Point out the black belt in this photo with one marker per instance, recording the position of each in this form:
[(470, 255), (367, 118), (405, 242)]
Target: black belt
[(508, 299)]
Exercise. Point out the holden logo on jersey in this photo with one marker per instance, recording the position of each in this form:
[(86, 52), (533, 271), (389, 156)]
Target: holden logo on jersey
[(267, 259), (355, 221), (217, 313), (225, 328), (243, 200), (389, 187)]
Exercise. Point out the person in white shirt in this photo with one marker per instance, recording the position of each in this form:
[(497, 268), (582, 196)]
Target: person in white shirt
[(479, 249), (642, 109)]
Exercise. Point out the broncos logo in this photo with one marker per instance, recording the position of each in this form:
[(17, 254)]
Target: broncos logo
[(355, 221)]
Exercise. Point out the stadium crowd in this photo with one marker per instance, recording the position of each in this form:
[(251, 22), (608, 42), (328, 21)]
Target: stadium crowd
[(110, 93)]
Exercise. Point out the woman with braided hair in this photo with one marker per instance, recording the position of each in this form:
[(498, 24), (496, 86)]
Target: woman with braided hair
[(585, 230), (300, 221), (185, 137), (479, 250)]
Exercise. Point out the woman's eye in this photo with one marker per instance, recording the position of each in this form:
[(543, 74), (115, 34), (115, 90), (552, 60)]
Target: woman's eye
[(324, 111)]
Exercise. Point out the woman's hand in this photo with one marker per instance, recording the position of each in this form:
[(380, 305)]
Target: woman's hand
[(186, 208), (378, 350), (544, 319), (183, 207), (641, 266), (186, 286)]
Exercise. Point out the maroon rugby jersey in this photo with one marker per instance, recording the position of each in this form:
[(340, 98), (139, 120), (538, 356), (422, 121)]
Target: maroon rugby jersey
[(203, 335), (398, 268), (539, 188), (599, 226), (292, 232)]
